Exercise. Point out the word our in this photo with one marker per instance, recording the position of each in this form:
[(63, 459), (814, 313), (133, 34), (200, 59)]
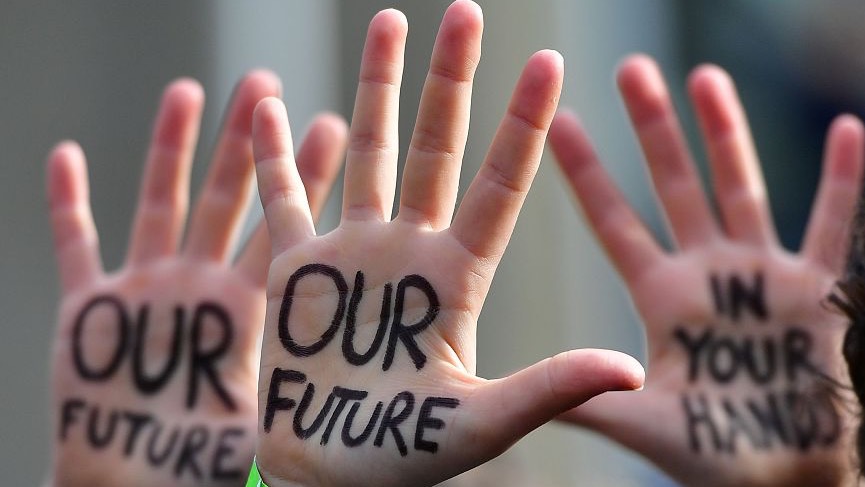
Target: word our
[(347, 311), (131, 344), (387, 418)]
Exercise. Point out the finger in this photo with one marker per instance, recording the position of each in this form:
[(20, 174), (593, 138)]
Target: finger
[(255, 259), (220, 208), (518, 404), (76, 243), (164, 195), (673, 173), (279, 186), (318, 162), (488, 212), (626, 240), (432, 171), (370, 172), (736, 175), (320, 157), (840, 186), (613, 415)]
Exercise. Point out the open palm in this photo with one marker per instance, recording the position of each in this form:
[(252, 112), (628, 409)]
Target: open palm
[(368, 362), (155, 365), (744, 356)]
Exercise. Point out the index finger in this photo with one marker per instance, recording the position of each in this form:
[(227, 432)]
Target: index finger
[(674, 176), (736, 175), (626, 240), (280, 188), (219, 210), (318, 162), (840, 186), (164, 194), (76, 243)]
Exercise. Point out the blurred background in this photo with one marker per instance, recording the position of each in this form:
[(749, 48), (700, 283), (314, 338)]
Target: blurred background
[(93, 71)]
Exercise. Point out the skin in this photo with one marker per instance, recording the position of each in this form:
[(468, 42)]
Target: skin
[(670, 288), (457, 254), (162, 272)]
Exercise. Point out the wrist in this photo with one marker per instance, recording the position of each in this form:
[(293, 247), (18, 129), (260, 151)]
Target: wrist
[(260, 478)]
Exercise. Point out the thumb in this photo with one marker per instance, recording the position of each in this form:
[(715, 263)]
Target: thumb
[(521, 402)]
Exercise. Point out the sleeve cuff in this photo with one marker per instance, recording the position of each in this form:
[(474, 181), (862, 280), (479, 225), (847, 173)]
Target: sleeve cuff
[(254, 477)]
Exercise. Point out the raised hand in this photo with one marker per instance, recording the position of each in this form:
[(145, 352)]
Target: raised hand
[(155, 365), (744, 354), (368, 362)]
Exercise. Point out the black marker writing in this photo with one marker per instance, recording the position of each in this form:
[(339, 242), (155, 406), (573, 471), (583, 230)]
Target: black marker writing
[(426, 420), (285, 310), (405, 333), (303, 407), (306, 423), (195, 452), (348, 350), (344, 395), (85, 370), (740, 296), (389, 420), (793, 410), (774, 419), (203, 335), (347, 437), (202, 361), (763, 359), (151, 385), (275, 402), (399, 332), (131, 341)]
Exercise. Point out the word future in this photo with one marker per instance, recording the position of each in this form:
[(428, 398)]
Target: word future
[(382, 422), (197, 451), (793, 409)]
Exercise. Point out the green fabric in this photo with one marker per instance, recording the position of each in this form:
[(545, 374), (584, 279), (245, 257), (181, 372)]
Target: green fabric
[(254, 477)]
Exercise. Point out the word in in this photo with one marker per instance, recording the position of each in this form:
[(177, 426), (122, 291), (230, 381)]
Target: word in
[(798, 412)]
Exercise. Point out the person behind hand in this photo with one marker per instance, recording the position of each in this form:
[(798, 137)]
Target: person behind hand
[(849, 298), (745, 382), (155, 365), (368, 360)]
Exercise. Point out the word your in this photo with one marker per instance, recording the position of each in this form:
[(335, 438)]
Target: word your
[(398, 411), (131, 344), (760, 359), (197, 452), (399, 331), (795, 409)]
